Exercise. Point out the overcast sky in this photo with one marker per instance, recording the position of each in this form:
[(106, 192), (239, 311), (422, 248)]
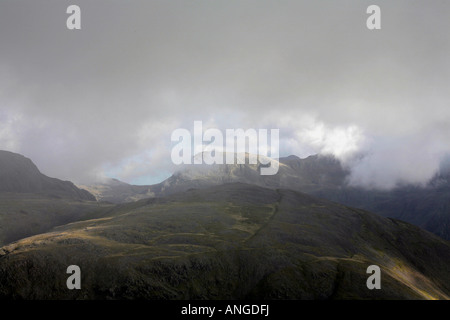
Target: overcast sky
[(105, 99)]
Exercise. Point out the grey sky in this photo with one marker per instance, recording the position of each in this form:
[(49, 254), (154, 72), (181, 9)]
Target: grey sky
[(105, 99)]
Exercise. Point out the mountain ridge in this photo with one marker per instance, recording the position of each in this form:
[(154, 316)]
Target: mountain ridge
[(232, 240), (18, 174), (320, 176)]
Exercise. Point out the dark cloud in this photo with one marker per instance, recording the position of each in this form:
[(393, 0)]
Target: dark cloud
[(106, 98)]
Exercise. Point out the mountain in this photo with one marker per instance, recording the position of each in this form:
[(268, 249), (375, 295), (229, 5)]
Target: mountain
[(233, 241), (32, 203), (116, 191), (19, 174), (307, 175), (318, 175), (427, 207)]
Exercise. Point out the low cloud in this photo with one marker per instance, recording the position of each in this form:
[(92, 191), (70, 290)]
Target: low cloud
[(104, 100)]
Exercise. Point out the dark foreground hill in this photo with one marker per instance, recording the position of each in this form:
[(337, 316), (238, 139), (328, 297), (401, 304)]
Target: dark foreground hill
[(232, 241), (19, 174)]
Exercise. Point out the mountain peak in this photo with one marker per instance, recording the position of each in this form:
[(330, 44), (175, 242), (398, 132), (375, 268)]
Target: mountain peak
[(19, 174)]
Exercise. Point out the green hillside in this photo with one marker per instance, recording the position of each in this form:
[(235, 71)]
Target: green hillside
[(233, 241)]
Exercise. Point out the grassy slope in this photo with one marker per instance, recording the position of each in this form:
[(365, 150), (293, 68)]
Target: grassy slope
[(231, 241), (321, 176), (26, 214)]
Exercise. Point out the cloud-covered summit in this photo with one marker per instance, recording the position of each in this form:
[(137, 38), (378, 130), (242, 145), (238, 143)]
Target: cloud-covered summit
[(104, 100)]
